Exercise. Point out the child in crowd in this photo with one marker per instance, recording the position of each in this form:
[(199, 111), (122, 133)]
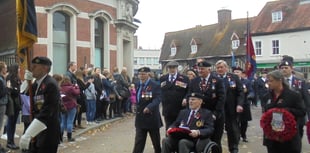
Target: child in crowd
[(133, 100), (90, 93)]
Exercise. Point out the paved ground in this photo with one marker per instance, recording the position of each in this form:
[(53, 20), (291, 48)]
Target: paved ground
[(117, 136)]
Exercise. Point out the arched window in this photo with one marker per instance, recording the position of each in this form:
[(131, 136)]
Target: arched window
[(61, 42), (99, 42)]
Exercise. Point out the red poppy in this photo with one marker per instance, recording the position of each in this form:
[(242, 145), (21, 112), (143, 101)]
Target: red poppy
[(290, 129)]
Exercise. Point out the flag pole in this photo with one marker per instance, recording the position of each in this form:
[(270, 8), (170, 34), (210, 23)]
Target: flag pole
[(29, 81)]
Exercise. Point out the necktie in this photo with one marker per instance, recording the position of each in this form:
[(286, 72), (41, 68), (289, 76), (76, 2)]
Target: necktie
[(191, 118), (141, 91), (171, 78), (203, 85), (289, 82)]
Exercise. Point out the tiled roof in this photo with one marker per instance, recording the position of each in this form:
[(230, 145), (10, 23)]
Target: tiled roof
[(296, 16), (213, 41)]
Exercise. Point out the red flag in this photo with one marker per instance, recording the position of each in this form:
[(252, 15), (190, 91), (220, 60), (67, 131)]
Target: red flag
[(250, 65)]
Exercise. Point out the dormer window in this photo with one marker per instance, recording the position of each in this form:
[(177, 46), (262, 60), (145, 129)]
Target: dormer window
[(277, 16), (173, 51), (235, 44), (194, 49)]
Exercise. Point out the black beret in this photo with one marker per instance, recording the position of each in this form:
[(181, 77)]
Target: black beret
[(196, 95), (285, 63), (41, 60), (172, 64), (144, 69), (204, 64), (237, 68)]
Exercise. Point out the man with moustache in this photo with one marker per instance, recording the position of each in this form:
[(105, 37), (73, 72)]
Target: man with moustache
[(212, 89)]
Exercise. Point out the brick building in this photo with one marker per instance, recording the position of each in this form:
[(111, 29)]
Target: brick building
[(98, 32)]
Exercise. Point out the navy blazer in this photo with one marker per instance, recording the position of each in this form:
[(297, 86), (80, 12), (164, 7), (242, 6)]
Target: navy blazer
[(151, 99)]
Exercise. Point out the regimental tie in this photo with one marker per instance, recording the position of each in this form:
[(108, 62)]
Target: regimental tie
[(141, 91), (203, 85), (289, 82), (191, 118)]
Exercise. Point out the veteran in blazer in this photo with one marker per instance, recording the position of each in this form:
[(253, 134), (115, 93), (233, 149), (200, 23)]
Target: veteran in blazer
[(212, 89), (298, 85), (233, 104), (174, 88), (148, 118), (45, 127), (196, 119)]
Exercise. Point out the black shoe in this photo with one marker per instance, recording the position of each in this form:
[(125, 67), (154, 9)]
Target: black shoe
[(245, 140), (71, 139), (12, 146)]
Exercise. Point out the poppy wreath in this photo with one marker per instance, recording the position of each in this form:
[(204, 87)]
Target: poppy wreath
[(290, 128)]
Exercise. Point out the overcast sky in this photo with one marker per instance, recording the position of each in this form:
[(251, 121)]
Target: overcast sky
[(160, 16)]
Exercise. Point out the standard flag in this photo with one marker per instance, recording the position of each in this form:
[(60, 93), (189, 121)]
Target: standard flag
[(233, 59), (26, 32), (250, 65)]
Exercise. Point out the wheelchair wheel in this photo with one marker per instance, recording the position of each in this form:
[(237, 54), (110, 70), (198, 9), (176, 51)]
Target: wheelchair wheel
[(211, 147)]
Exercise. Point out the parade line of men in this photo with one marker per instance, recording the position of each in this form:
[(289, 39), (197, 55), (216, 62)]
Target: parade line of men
[(196, 110)]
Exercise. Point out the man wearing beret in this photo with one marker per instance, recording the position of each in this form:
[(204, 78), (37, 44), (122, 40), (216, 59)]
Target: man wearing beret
[(148, 119), (233, 104), (44, 129), (248, 91), (297, 84), (200, 123), (174, 88), (212, 89)]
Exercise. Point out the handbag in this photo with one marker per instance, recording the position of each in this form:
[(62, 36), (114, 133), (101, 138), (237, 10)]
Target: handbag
[(124, 92)]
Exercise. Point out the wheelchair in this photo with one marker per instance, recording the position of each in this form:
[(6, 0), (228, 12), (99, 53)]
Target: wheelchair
[(211, 147)]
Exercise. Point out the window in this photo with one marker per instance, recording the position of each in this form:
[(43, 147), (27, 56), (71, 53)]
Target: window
[(173, 51), (275, 47), (148, 61), (194, 49), (140, 60), (98, 42), (135, 61), (235, 44), (156, 60), (276, 16), (61, 41), (258, 48)]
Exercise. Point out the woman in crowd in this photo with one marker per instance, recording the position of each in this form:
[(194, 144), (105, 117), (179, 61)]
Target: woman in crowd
[(69, 93), (191, 74), (280, 96), (81, 98), (13, 84), (90, 93)]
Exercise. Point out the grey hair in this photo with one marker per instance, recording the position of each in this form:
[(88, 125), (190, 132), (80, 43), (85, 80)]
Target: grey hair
[(277, 75), (221, 62)]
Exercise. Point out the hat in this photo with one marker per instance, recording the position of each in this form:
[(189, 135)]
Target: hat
[(204, 64), (196, 95), (287, 58), (41, 60), (172, 64), (285, 63), (237, 68), (144, 69)]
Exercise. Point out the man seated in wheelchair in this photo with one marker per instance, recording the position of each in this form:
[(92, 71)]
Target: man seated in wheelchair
[(191, 130)]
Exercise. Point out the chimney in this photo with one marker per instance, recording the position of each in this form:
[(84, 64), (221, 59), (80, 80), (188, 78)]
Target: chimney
[(224, 17)]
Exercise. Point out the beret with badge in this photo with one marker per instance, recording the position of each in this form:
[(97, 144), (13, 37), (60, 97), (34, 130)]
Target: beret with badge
[(196, 95), (285, 63), (144, 69), (204, 64), (41, 60)]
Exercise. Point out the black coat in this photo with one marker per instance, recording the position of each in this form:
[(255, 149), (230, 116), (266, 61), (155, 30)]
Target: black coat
[(291, 101), (203, 122), (173, 94), (48, 113), (151, 99), (234, 94), (248, 93), (213, 97), (261, 87)]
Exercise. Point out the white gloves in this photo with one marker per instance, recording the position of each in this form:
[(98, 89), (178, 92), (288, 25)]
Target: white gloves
[(33, 130), (28, 75)]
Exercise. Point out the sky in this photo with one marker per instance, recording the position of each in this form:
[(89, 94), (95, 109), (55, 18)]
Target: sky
[(160, 16)]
